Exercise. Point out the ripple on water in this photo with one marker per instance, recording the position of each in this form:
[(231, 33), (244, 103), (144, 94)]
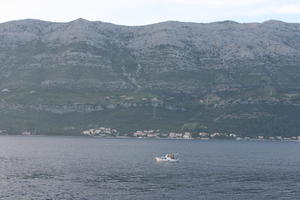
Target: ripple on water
[(50, 168)]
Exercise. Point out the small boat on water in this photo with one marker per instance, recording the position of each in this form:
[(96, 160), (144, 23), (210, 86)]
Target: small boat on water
[(170, 157)]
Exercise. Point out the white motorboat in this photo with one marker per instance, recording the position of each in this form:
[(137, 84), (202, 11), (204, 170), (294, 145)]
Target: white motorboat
[(167, 158)]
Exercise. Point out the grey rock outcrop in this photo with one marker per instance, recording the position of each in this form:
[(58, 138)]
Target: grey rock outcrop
[(86, 67)]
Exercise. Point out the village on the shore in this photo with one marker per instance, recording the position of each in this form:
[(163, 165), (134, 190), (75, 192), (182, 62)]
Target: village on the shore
[(110, 132)]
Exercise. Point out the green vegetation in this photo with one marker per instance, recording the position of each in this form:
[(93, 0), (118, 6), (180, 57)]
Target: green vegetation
[(65, 78)]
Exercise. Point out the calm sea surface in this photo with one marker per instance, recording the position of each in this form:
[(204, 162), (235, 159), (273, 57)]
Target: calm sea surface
[(94, 168)]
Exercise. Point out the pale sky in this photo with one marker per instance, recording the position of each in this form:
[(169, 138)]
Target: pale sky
[(141, 12)]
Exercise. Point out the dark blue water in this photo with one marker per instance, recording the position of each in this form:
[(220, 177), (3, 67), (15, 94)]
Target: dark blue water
[(95, 168)]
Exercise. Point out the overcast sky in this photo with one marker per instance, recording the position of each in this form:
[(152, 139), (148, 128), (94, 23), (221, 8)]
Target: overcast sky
[(141, 12)]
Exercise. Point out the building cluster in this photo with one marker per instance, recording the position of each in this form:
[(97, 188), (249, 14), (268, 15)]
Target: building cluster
[(102, 131), (158, 134), (204, 135), (272, 138), (217, 135), (147, 133), (185, 135), (182, 135), (26, 133)]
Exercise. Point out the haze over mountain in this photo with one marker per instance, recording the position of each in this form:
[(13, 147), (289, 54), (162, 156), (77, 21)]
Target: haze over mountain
[(62, 78)]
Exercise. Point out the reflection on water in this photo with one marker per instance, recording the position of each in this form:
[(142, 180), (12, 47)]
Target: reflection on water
[(94, 168)]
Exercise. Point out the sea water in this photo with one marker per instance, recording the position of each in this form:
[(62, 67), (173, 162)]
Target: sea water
[(40, 167)]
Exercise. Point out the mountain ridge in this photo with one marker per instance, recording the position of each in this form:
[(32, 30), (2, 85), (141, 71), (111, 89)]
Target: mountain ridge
[(222, 76)]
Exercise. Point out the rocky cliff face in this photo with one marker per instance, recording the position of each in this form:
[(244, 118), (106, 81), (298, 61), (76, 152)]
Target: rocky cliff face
[(222, 76)]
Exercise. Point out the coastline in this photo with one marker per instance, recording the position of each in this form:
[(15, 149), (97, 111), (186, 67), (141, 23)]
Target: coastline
[(247, 139)]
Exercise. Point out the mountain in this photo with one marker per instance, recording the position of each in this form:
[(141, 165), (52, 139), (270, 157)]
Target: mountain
[(62, 78)]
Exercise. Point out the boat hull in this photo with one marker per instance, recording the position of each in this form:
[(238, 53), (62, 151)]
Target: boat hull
[(158, 159)]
